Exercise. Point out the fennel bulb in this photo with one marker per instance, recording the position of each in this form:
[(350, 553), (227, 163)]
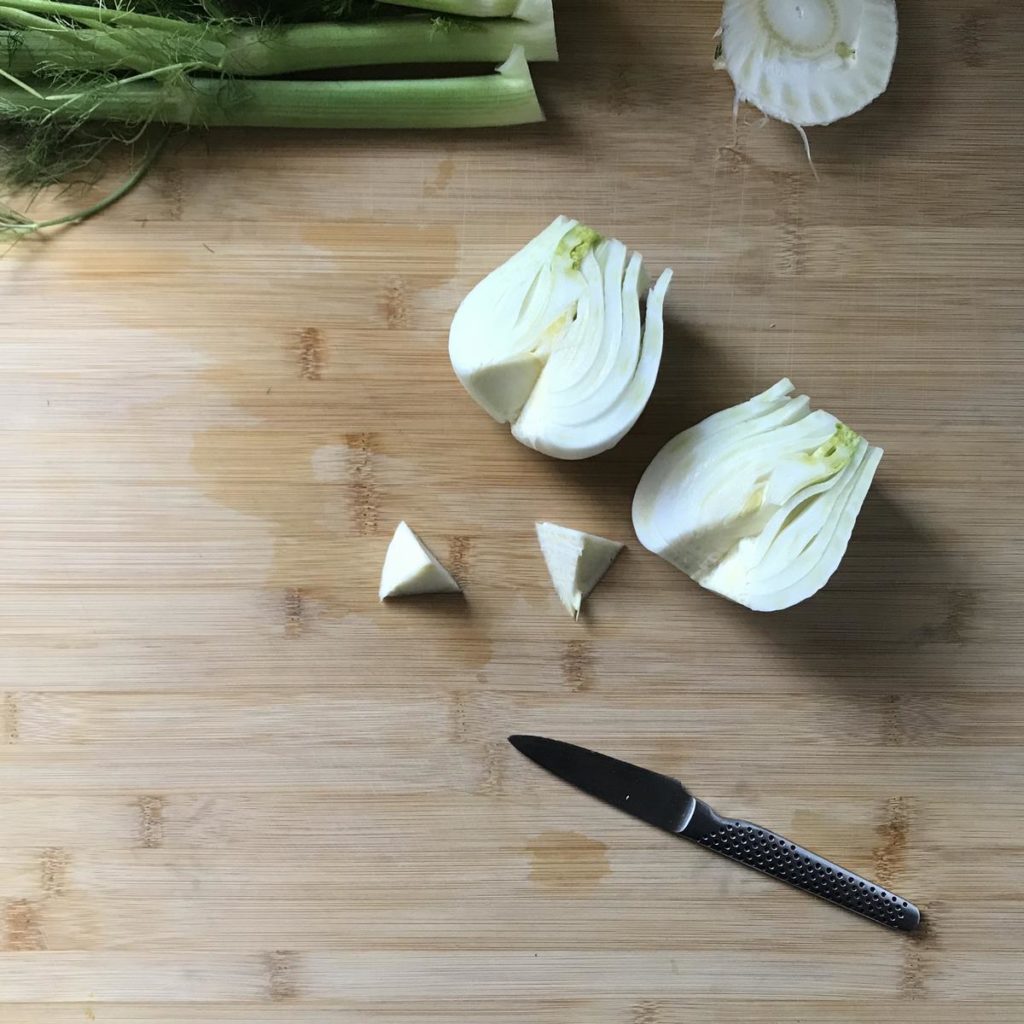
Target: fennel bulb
[(757, 502), (553, 342)]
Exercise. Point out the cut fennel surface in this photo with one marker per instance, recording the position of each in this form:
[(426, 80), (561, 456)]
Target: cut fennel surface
[(757, 502), (808, 62), (553, 342), (576, 561), (410, 568)]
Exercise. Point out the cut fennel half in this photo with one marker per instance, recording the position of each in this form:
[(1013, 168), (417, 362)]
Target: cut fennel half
[(410, 568), (553, 341), (808, 62), (576, 562), (757, 502)]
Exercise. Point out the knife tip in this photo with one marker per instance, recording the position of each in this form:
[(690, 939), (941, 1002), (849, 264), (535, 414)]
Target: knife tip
[(521, 741)]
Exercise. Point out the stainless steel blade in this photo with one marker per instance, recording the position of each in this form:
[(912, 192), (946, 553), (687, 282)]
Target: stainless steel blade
[(656, 799)]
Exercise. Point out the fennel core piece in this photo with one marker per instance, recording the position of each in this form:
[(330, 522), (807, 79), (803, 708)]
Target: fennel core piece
[(410, 568), (807, 62), (576, 562)]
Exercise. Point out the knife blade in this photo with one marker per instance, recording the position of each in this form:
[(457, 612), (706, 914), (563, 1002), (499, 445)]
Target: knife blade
[(665, 803)]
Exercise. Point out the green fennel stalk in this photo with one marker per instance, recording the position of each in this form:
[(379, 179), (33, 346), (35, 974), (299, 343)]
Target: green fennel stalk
[(78, 75), (476, 101), (35, 45), (138, 14), (266, 52), (474, 8)]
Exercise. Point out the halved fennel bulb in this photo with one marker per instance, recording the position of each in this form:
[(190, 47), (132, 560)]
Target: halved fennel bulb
[(410, 568), (552, 341), (757, 502), (576, 562), (808, 62)]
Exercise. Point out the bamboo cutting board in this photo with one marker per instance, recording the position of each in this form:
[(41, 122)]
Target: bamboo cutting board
[(235, 789)]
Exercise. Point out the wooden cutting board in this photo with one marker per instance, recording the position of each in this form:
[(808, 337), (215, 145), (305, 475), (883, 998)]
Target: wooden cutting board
[(235, 788)]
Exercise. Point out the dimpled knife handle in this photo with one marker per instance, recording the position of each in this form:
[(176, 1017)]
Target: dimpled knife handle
[(774, 855)]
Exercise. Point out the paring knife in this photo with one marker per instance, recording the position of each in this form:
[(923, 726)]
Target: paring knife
[(665, 803)]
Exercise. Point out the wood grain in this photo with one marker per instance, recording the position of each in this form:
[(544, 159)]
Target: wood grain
[(234, 788)]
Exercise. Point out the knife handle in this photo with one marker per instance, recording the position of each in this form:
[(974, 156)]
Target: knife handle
[(774, 855)]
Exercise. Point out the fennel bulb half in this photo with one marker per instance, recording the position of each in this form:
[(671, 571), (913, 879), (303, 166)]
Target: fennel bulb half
[(553, 341), (757, 502)]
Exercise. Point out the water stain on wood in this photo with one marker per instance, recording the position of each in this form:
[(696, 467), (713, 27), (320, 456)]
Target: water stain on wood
[(331, 494), (459, 549), (23, 932), (577, 666), (310, 349), (890, 853), (371, 247), (268, 461), (365, 501), (281, 983), (53, 870), (311, 491), (151, 821), (265, 426), (567, 861), (806, 825), (9, 716), (442, 179)]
